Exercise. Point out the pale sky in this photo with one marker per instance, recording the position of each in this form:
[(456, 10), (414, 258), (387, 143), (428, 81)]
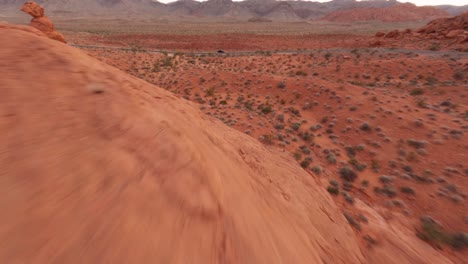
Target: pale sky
[(417, 2)]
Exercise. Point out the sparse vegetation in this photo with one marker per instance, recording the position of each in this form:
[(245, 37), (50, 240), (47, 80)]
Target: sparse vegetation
[(355, 114)]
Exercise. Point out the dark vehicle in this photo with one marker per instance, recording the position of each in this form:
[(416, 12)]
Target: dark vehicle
[(221, 51)]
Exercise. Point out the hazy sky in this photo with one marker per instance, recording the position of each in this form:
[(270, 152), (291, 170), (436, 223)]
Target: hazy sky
[(417, 2)]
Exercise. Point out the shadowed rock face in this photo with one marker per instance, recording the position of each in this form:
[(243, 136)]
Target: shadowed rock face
[(41, 22)]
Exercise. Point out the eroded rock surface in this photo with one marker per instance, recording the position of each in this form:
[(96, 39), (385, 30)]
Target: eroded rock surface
[(42, 22)]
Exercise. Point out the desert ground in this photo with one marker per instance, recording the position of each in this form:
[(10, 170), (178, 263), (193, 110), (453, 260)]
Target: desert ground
[(393, 115), (300, 142)]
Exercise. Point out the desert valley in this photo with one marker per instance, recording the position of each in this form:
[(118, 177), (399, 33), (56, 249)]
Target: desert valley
[(259, 131)]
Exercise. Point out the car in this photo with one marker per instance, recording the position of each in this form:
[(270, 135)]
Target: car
[(221, 51)]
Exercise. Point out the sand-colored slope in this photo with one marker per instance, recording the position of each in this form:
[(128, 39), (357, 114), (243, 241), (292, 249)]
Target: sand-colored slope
[(100, 167)]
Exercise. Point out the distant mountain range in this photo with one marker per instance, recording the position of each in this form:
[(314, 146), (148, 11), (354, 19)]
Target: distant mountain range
[(395, 13), (253, 10)]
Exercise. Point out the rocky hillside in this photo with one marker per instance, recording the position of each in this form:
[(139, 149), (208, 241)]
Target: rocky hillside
[(337, 10), (396, 13)]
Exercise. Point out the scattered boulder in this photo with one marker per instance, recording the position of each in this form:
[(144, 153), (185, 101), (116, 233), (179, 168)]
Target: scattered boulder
[(41, 22)]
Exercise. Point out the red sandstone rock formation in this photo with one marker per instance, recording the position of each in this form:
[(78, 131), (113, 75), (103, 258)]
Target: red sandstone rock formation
[(451, 28), (41, 22)]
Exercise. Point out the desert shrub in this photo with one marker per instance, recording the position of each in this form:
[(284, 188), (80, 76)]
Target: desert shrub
[(331, 158), (352, 221), (333, 183), (315, 127), (306, 136), (458, 240), (167, 62), (280, 117), (301, 73), (407, 168), (365, 127), (417, 91), (305, 150), (385, 179), (296, 126), (267, 139), (387, 190), (297, 155), (422, 103), (248, 106), (210, 91), (360, 147), (431, 80), (433, 233), (305, 163), (375, 165), (363, 218), (281, 85), (348, 174), (365, 183), (416, 143), (358, 166), (266, 109), (411, 156), (324, 119), (407, 190), (350, 151), (349, 199), (333, 190), (279, 126), (294, 111), (317, 170), (347, 186)]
